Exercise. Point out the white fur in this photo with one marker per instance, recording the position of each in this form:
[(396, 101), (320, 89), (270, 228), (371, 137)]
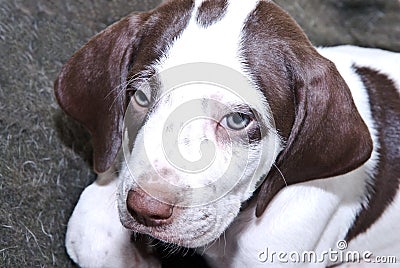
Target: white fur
[(95, 236), (148, 154), (326, 208), (385, 231), (149, 159), (307, 216), (217, 43)]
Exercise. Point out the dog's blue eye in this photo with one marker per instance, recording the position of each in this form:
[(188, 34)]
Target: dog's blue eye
[(237, 121), (141, 98)]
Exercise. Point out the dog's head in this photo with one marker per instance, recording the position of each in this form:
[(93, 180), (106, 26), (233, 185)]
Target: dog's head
[(207, 100)]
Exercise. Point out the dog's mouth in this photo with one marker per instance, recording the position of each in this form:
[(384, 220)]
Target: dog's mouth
[(188, 237), (189, 227)]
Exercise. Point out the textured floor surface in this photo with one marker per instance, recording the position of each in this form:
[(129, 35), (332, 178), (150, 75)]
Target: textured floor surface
[(45, 158)]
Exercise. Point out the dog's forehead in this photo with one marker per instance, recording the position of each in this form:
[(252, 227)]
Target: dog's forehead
[(211, 43), (213, 34)]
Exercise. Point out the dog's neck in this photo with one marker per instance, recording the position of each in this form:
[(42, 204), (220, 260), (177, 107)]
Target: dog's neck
[(306, 216)]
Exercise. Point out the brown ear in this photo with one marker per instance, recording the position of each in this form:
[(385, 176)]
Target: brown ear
[(328, 136), (90, 87)]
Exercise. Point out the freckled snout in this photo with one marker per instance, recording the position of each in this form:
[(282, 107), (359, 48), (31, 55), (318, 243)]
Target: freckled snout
[(148, 210)]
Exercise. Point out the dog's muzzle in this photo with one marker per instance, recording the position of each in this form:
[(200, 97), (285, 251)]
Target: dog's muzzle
[(147, 210)]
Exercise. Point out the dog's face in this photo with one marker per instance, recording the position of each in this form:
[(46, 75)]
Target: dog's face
[(207, 100), (198, 153)]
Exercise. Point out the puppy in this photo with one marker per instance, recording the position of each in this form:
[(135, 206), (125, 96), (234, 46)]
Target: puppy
[(216, 125)]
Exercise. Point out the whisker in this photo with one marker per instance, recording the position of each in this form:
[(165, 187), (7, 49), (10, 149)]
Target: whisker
[(121, 87), (224, 242), (280, 172), (210, 245)]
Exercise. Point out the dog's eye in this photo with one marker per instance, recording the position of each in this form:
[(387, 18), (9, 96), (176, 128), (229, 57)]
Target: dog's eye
[(237, 121), (141, 98)]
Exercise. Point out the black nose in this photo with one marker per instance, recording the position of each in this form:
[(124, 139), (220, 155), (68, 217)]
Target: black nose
[(147, 210)]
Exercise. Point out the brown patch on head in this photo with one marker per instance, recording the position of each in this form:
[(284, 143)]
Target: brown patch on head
[(163, 26), (264, 52), (385, 106), (310, 102), (91, 85), (211, 11)]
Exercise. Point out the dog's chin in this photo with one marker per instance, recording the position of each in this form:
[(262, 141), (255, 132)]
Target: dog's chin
[(181, 240), (192, 234)]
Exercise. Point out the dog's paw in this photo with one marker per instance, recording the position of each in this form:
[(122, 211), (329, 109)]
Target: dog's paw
[(96, 238)]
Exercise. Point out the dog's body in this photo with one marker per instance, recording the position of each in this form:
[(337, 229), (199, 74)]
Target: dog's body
[(270, 106)]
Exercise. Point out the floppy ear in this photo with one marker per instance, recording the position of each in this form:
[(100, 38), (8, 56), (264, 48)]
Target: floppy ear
[(328, 137), (90, 87)]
